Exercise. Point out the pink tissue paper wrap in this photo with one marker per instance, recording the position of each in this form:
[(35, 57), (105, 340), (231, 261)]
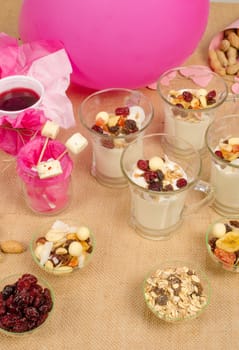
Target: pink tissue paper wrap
[(15, 133), (46, 61)]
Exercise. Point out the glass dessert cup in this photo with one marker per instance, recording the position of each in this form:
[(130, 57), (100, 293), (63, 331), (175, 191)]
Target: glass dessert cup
[(222, 243), (166, 297), (44, 315), (108, 145), (191, 97), (222, 143), (156, 214), (59, 249), (46, 196)]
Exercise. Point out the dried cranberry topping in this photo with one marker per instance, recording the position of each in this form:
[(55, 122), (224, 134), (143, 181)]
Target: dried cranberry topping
[(187, 96), (181, 182), (97, 128), (150, 176), (219, 154), (143, 164), (122, 111), (211, 95), (155, 186), (179, 105)]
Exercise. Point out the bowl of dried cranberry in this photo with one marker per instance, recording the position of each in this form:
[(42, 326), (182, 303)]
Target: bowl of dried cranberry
[(26, 304), (222, 242)]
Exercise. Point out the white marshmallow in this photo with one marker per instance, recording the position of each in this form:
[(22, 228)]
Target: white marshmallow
[(49, 169), (50, 129), (76, 143)]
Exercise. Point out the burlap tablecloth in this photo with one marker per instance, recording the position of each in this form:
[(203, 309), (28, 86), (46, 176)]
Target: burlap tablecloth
[(102, 307)]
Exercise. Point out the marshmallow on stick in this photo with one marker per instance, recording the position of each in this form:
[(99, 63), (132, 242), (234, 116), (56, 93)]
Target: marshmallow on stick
[(75, 144), (50, 168), (50, 130)]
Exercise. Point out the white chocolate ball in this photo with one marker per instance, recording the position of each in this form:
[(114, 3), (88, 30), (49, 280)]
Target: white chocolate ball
[(75, 249), (156, 163), (83, 233), (218, 230)]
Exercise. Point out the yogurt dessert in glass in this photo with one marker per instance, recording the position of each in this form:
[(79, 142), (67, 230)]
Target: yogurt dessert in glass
[(191, 97), (161, 172), (114, 117), (222, 140)]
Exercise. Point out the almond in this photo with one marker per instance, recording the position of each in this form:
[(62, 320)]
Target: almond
[(12, 247)]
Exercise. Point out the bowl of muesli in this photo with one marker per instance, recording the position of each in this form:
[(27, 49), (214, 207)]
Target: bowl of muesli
[(176, 291), (222, 242)]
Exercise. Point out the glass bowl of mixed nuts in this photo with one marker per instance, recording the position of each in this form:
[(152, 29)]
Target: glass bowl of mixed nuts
[(63, 246), (176, 291), (222, 242), (26, 304)]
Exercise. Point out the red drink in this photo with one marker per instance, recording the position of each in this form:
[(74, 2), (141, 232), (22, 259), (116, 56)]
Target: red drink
[(17, 99)]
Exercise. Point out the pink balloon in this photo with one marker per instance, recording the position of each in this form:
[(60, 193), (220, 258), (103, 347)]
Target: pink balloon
[(124, 43)]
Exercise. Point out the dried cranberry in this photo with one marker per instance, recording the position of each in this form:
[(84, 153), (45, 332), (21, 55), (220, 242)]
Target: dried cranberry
[(179, 105), (143, 164), (20, 326), (181, 182), (150, 176), (8, 290), (2, 309), (211, 95), (187, 96), (122, 111), (98, 129), (41, 319), (31, 313), (219, 154), (155, 186)]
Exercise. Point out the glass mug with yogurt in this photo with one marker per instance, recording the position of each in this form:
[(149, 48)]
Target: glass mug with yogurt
[(19, 93), (222, 140), (161, 173), (113, 118), (191, 96)]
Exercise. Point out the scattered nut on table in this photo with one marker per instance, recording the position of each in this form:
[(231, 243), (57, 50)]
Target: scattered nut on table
[(12, 247)]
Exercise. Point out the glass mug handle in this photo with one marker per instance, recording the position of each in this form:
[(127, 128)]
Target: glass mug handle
[(207, 190)]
